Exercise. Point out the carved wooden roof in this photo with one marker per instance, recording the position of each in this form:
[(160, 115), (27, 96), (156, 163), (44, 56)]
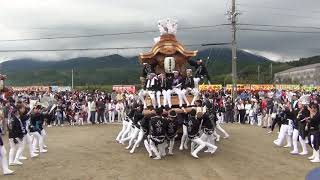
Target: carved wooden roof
[(168, 45)]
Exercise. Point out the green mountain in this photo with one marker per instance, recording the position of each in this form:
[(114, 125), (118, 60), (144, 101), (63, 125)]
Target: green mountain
[(116, 69)]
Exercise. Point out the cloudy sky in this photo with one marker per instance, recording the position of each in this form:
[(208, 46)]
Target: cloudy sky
[(50, 18)]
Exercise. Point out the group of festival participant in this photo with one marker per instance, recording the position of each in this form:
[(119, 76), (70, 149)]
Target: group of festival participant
[(24, 123), (299, 121), (166, 84), (296, 114), (158, 130)]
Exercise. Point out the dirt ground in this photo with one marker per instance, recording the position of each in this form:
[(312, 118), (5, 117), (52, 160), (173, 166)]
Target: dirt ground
[(90, 152)]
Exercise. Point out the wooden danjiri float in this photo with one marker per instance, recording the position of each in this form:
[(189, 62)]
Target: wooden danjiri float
[(167, 55)]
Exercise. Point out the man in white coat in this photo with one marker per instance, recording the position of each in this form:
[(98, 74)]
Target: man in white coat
[(120, 111)]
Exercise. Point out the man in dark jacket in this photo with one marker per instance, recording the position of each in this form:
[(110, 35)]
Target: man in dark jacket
[(36, 121), (201, 71), (158, 127), (144, 73), (229, 110), (16, 132), (101, 109)]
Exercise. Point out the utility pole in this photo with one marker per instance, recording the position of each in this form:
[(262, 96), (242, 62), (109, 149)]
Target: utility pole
[(271, 71), (72, 79), (258, 73), (233, 17)]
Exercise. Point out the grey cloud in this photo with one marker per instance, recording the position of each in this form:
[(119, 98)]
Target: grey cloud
[(36, 18)]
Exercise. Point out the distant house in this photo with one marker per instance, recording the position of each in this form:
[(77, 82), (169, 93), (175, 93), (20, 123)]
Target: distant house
[(304, 75)]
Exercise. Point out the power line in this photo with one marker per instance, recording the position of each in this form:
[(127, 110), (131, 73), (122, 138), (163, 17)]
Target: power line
[(289, 15), (101, 49), (281, 26), (107, 34), (281, 31), (275, 8)]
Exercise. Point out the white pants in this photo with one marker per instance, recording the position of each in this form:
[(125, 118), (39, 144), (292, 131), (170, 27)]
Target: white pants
[(179, 93), (209, 139), (218, 127), (111, 116), (259, 120), (152, 95), (167, 97), (147, 146), (80, 121), (4, 160), (201, 144), (184, 138), (88, 117), (193, 91), (171, 145), (15, 150), (154, 149), (44, 135), (142, 94), (295, 138), (120, 115), (126, 132), (27, 140), (284, 133), (196, 83), (124, 127), (132, 137), (251, 120), (267, 120), (158, 95), (37, 141), (220, 117), (137, 143)]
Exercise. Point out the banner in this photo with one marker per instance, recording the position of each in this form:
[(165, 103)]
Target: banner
[(31, 88), (240, 87), (288, 87), (262, 87), (60, 88), (309, 88), (122, 88), (212, 87)]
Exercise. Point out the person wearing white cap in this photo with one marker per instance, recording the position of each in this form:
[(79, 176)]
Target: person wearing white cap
[(189, 87)]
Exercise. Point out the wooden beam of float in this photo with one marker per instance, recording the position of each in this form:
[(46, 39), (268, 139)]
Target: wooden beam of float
[(150, 113), (168, 46)]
